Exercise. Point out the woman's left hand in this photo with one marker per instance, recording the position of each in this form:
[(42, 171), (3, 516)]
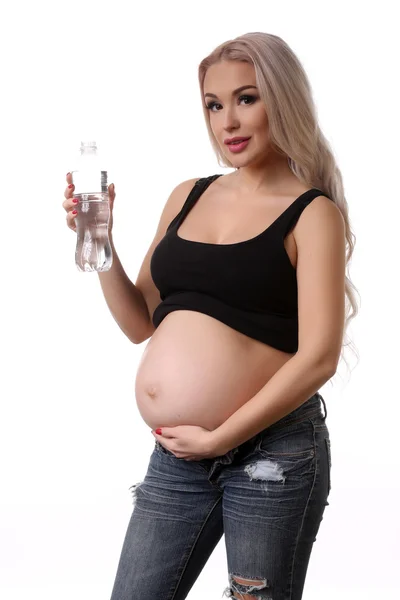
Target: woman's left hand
[(188, 441)]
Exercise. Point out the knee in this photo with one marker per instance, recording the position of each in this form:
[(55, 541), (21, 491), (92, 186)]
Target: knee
[(249, 589)]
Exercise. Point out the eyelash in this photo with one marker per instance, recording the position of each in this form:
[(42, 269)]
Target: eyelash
[(212, 104)]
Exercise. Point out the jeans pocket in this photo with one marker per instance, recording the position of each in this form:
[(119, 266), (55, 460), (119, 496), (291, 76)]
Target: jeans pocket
[(295, 439)]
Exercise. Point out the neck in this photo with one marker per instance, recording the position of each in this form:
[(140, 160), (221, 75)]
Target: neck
[(267, 177)]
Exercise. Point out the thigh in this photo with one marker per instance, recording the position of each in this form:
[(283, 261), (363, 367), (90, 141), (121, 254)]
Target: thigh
[(175, 525), (273, 504)]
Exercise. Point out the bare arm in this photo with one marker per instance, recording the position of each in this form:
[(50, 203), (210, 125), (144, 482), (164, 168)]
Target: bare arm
[(124, 299), (132, 304)]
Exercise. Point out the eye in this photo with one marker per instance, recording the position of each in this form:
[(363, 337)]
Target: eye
[(251, 98), (210, 106)]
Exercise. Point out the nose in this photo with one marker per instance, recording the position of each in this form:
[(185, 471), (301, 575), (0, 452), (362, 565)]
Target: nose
[(231, 120)]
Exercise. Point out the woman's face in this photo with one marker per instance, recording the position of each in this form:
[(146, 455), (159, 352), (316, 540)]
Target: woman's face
[(236, 112)]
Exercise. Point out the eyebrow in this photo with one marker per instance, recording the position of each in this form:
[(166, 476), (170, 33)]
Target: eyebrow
[(244, 87)]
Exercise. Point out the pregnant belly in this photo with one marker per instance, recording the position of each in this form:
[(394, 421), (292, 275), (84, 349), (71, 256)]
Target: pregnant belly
[(196, 370)]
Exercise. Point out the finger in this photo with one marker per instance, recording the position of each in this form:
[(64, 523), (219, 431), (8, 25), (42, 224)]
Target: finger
[(70, 204), (158, 437), (111, 191), (167, 432), (166, 444), (162, 440), (71, 220), (69, 190), (167, 447)]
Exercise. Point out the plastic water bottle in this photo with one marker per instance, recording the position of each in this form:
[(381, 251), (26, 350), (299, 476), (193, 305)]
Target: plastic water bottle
[(93, 249)]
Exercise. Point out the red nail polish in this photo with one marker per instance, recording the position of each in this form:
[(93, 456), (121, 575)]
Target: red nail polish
[(158, 431), (71, 185)]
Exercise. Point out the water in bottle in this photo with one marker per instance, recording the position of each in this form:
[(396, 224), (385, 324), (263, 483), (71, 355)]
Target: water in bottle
[(93, 249)]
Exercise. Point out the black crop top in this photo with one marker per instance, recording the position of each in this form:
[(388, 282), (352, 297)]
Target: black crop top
[(250, 286)]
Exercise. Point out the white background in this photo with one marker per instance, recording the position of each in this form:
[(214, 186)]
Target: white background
[(71, 439)]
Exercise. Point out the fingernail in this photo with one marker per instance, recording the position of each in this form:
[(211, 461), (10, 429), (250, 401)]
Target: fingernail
[(75, 200), (158, 431), (71, 185), (74, 212), (68, 173)]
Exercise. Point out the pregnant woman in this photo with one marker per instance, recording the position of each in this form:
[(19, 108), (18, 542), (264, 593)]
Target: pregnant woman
[(242, 298)]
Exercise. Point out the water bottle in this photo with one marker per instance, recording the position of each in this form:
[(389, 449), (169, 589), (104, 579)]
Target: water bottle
[(93, 249)]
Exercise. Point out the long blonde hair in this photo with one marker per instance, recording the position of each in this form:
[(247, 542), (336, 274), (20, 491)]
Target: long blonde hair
[(293, 127)]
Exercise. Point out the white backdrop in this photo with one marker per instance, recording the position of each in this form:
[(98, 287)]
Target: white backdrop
[(72, 441)]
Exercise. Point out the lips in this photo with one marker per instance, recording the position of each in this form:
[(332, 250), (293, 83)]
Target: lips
[(237, 147), (235, 139)]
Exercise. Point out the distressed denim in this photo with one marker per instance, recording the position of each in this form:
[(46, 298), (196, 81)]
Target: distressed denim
[(267, 497)]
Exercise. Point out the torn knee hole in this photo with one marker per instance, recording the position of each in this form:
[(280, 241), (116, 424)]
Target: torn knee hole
[(246, 581), (249, 589)]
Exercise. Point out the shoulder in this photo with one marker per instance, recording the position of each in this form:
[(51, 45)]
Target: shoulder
[(319, 216), (187, 183), (175, 202), (180, 193)]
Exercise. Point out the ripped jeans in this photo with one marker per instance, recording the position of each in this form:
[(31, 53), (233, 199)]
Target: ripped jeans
[(266, 496)]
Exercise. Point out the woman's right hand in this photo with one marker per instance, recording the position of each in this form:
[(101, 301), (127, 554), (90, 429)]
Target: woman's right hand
[(69, 205)]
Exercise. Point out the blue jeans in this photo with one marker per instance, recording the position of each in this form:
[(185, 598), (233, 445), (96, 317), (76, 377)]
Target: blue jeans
[(267, 496)]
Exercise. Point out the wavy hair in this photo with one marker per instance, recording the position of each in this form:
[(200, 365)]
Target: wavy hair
[(293, 128)]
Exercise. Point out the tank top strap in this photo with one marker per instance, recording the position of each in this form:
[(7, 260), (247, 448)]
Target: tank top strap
[(290, 216), (199, 187)]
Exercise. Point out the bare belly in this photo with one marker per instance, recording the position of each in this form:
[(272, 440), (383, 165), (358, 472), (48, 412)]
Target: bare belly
[(196, 370)]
